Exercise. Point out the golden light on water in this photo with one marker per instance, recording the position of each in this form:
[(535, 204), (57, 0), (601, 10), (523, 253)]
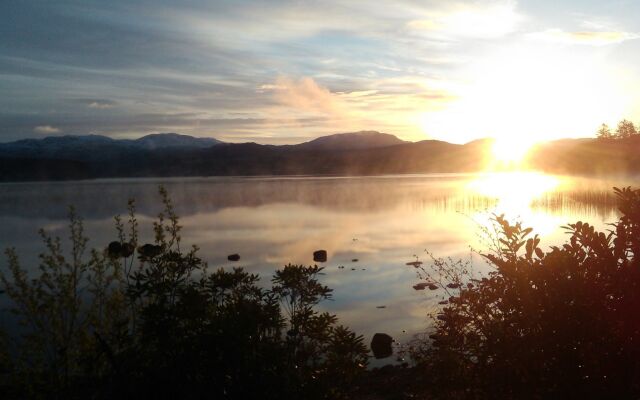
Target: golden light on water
[(515, 192)]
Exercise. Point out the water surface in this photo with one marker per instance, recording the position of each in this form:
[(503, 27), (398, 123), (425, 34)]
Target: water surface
[(383, 222)]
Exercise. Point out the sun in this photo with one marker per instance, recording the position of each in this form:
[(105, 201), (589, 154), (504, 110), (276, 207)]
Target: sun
[(529, 93), (509, 152)]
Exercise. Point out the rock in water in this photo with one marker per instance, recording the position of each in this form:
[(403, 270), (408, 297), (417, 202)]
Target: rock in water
[(320, 256), (421, 285), (114, 250), (233, 257), (127, 250), (381, 345), (149, 251)]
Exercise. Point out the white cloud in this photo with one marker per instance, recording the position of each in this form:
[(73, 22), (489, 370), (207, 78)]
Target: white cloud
[(483, 21), (306, 94), (46, 129), (591, 38), (100, 105)]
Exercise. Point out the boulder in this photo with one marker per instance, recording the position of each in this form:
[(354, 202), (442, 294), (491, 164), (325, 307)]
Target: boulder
[(381, 345), (320, 256), (149, 251), (114, 249)]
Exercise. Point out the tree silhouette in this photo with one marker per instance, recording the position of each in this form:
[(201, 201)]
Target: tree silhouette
[(626, 129), (604, 132)]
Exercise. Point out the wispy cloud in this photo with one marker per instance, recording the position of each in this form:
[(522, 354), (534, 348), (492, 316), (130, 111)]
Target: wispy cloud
[(211, 67), (591, 38), (46, 129), (475, 20), (101, 104), (307, 95)]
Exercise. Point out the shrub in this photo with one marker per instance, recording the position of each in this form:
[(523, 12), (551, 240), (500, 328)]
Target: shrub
[(151, 321), (558, 324)]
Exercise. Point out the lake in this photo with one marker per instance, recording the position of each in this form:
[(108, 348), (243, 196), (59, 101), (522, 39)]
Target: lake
[(382, 222)]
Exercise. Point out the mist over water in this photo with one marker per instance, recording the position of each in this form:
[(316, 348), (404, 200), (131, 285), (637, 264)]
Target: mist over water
[(383, 222)]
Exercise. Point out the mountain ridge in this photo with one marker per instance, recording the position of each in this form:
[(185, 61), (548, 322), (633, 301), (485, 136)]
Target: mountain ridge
[(101, 157)]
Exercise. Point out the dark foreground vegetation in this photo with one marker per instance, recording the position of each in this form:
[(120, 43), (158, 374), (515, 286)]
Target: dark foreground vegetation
[(561, 324), (149, 321)]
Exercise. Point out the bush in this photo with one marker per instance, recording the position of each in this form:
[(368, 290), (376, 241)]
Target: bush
[(150, 321), (558, 324)]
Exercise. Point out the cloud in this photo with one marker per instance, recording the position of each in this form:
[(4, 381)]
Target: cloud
[(101, 104), (591, 38), (485, 21), (305, 94), (46, 129)]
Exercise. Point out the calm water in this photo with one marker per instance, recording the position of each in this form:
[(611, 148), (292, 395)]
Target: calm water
[(384, 222)]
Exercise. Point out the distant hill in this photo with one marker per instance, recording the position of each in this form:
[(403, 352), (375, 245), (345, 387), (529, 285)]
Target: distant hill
[(166, 140), (352, 141), (360, 153), (90, 147), (588, 156)]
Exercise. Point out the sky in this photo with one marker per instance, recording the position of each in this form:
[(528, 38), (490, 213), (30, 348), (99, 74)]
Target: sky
[(287, 71)]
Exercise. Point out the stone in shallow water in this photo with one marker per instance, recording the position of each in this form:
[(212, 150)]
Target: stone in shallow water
[(320, 256), (233, 257), (421, 285), (114, 249), (381, 345), (149, 250)]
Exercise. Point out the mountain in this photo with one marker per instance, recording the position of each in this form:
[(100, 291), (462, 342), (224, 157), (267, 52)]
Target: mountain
[(165, 140), (360, 153), (96, 147), (352, 141)]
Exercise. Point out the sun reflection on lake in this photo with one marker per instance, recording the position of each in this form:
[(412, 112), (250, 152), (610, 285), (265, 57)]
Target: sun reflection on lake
[(515, 192)]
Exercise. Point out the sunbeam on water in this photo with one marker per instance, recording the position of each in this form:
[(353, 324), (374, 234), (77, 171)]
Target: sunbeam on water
[(515, 193)]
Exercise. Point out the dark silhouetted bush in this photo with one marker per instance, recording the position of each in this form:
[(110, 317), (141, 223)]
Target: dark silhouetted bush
[(150, 321), (544, 325)]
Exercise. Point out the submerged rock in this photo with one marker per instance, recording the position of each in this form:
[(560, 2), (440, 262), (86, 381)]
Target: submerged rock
[(421, 286), (114, 249), (320, 256), (118, 250), (453, 285), (149, 250), (127, 249), (381, 345)]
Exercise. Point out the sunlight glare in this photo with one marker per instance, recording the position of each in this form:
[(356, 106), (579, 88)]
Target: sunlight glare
[(515, 192), (509, 151), (530, 93)]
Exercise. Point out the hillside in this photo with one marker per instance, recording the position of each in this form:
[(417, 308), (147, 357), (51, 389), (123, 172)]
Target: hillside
[(360, 153)]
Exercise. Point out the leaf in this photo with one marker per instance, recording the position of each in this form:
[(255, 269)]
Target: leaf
[(539, 252)]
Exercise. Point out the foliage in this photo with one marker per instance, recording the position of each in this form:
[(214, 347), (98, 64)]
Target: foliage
[(604, 132), (625, 129), (151, 321), (557, 324)]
